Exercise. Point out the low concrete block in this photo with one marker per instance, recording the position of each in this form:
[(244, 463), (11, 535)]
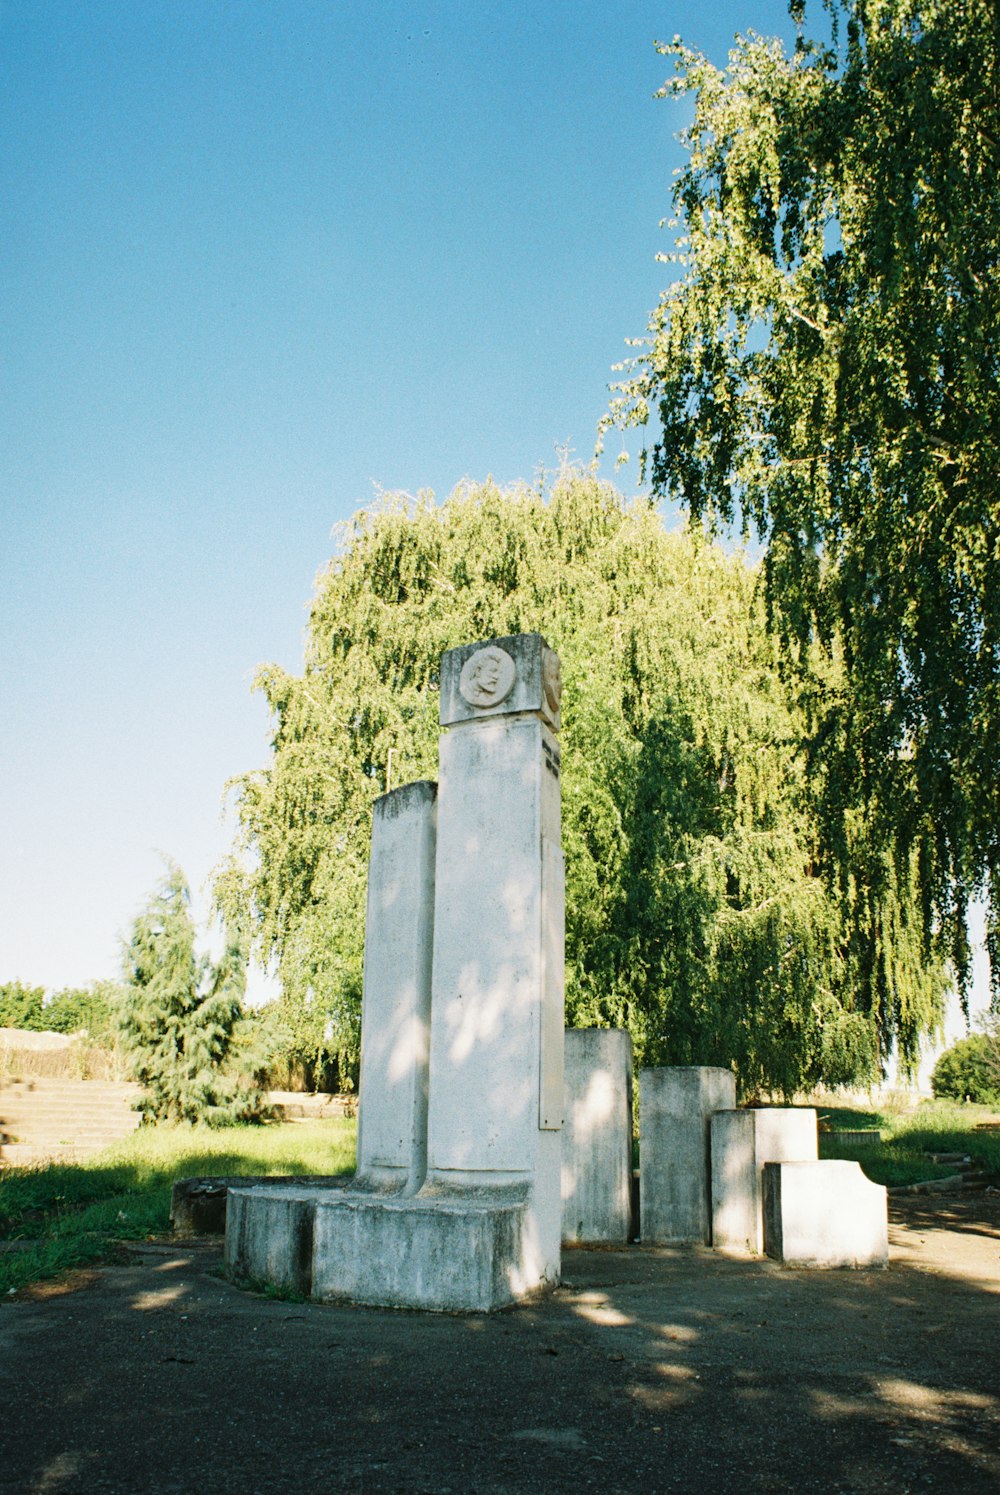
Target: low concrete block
[(269, 1235), (742, 1142), (198, 1205), (437, 1253), (675, 1105), (824, 1214), (597, 1137)]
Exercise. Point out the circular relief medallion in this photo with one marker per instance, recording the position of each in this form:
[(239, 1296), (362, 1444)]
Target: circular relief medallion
[(487, 677)]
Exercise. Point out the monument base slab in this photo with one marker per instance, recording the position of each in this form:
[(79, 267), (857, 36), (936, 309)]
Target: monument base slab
[(441, 1253), (269, 1235)]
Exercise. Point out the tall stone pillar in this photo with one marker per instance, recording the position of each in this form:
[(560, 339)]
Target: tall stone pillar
[(396, 1001), (675, 1109), (483, 1230), (496, 1067), (742, 1142), (597, 1137)]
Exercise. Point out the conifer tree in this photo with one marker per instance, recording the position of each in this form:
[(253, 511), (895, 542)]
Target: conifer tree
[(180, 1014)]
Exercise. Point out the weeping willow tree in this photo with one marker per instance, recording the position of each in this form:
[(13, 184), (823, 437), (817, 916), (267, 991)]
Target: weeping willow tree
[(825, 369), (699, 914)]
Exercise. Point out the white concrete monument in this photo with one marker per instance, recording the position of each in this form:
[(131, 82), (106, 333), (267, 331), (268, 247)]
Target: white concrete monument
[(825, 1214), (742, 1142), (675, 1107), (597, 1137), (464, 1184), (457, 1200)]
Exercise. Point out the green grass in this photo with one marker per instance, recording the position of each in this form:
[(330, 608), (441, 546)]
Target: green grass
[(77, 1214), (72, 1215), (908, 1135)]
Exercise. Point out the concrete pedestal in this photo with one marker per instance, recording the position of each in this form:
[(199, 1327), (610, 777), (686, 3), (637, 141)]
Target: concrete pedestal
[(456, 1253), (742, 1142), (824, 1214), (269, 1234), (675, 1106), (597, 1137)]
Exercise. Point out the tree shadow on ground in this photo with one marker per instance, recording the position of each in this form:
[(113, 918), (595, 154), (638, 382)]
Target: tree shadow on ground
[(650, 1369)]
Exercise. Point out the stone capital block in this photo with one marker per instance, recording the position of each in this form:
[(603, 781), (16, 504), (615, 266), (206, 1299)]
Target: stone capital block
[(500, 677)]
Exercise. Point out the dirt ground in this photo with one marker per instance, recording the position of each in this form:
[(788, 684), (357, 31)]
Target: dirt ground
[(649, 1370)]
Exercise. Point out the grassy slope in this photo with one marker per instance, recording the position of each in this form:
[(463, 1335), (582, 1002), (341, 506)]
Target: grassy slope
[(73, 1214), (908, 1135)]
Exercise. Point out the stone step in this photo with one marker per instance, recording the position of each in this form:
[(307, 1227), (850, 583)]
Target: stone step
[(11, 1102), (68, 1136), (88, 1110), (69, 1127), (47, 1119), (55, 1089)]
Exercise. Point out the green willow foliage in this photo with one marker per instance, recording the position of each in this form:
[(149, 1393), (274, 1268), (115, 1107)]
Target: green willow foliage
[(697, 912), (180, 1016), (826, 370)]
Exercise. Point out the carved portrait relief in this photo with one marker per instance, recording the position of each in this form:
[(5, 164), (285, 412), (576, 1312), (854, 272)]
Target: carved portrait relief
[(487, 677), (552, 680)]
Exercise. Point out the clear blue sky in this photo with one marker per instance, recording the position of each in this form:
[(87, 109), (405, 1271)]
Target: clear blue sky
[(257, 260)]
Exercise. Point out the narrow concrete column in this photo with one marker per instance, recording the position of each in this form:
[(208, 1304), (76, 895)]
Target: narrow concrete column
[(675, 1106), (496, 1080), (742, 1142), (396, 1002), (597, 1136)]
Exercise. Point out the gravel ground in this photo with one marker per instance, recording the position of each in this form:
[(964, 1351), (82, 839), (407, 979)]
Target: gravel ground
[(649, 1370)]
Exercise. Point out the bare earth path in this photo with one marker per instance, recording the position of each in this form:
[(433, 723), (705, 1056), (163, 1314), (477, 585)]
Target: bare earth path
[(650, 1370)]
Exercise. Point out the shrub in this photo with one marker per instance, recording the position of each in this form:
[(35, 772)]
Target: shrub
[(21, 1006), (969, 1070)]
